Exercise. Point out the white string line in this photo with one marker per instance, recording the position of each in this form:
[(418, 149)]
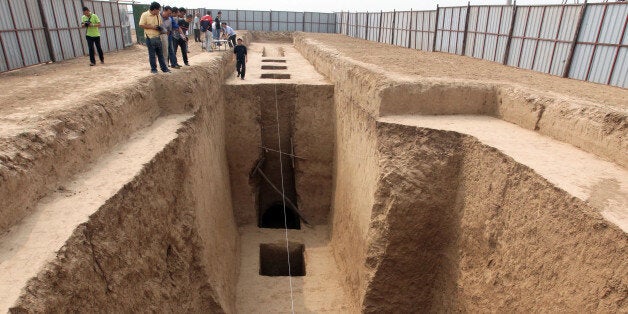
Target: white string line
[(283, 199)]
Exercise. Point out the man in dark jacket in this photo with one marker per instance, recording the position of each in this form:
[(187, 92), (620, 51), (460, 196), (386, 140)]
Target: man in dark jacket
[(239, 53)]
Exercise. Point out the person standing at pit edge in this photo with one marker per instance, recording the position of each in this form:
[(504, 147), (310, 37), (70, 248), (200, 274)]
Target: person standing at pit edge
[(239, 52), (197, 28), (206, 28), (91, 22), (217, 32), (182, 41), (151, 22)]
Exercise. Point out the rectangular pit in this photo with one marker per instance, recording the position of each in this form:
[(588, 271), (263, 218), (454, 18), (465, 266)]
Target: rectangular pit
[(274, 67), (275, 76), (274, 60), (273, 259)]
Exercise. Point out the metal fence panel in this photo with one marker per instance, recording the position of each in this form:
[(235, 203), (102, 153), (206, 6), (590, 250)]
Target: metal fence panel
[(488, 30), (373, 26), (361, 25), (600, 42), (402, 28), (386, 27), (540, 37), (26, 36), (25, 40), (125, 23), (107, 32), (422, 30), (620, 74), (450, 30)]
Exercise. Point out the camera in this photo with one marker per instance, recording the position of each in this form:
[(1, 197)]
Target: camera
[(87, 23), (160, 29)]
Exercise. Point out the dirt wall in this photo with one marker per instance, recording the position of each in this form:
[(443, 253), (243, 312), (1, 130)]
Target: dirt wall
[(306, 117), (168, 240), (438, 97), (412, 248), (592, 127), (527, 246), (314, 139), (467, 229), (37, 161), (355, 178), (362, 84)]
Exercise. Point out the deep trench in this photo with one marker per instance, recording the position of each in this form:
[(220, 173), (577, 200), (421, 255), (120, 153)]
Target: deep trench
[(421, 252)]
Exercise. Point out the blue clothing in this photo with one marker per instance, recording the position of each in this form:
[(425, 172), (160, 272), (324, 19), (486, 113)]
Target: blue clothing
[(172, 57), (175, 25), (229, 31)]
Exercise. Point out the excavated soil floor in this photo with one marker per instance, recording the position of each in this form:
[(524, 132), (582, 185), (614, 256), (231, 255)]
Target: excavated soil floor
[(429, 182)]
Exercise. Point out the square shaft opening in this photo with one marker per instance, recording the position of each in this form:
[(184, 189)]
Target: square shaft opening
[(273, 259)]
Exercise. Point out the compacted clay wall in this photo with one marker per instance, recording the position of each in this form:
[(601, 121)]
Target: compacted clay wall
[(466, 228), (595, 128), (305, 115), (168, 240), (435, 232)]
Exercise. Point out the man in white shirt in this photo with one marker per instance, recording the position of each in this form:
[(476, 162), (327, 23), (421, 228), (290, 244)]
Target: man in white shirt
[(229, 33)]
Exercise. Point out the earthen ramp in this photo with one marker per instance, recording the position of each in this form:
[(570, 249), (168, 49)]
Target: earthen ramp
[(489, 189)]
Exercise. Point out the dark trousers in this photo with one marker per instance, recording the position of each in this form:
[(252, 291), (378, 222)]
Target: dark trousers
[(184, 49), (232, 40), (172, 57), (197, 35), (91, 41), (156, 50), (241, 67)]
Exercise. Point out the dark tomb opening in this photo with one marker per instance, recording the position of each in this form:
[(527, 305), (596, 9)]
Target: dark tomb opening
[(274, 67), (273, 259), (276, 76), (273, 217)]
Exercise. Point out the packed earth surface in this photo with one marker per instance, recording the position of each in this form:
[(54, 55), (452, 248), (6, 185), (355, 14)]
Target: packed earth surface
[(409, 181)]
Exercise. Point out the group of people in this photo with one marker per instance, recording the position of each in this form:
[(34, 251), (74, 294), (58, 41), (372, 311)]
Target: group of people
[(166, 31), (214, 29)]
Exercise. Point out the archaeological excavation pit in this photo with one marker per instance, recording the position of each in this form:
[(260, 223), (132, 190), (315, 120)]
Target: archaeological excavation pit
[(401, 192), (274, 67), (273, 259), (278, 76)]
